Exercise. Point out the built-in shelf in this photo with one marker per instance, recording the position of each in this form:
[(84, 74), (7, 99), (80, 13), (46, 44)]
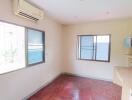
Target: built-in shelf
[(123, 77)]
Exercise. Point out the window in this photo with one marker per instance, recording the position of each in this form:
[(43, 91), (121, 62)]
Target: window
[(94, 47), (20, 47), (35, 46), (12, 47)]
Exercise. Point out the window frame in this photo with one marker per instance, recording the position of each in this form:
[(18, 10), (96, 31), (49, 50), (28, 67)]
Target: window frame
[(26, 47), (79, 48), (43, 39)]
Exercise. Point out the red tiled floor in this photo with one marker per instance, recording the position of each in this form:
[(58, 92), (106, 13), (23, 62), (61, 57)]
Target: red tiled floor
[(68, 87)]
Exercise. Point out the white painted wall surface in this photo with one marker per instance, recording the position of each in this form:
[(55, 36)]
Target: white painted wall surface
[(19, 84)]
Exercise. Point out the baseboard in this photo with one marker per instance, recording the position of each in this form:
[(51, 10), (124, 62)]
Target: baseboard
[(46, 84), (87, 76)]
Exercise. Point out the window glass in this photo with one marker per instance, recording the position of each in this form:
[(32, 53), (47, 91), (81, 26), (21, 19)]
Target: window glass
[(102, 48), (12, 50), (35, 46), (86, 46), (35, 37), (94, 47)]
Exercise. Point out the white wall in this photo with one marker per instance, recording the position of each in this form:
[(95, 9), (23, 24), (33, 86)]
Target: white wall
[(118, 29), (18, 84)]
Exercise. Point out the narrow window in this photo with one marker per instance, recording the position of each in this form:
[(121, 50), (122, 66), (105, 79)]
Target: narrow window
[(35, 50), (94, 47)]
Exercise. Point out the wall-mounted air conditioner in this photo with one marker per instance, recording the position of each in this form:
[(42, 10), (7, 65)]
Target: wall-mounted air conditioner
[(26, 10)]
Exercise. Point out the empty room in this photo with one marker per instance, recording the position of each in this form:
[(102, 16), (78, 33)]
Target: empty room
[(65, 49)]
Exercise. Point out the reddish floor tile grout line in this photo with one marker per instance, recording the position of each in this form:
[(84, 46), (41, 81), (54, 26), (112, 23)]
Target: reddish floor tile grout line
[(67, 87)]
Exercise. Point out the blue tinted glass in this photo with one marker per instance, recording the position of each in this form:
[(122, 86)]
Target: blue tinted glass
[(127, 42), (102, 52), (86, 47), (86, 54), (34, 37), (87, 41), (35, 46), (35, 56)]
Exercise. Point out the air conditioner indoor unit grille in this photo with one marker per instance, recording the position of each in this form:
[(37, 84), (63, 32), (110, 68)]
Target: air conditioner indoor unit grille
[(28, 16)]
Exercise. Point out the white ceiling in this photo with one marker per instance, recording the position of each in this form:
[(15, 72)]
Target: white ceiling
[(79, 11)]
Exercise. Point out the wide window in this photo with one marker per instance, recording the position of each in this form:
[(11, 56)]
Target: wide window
[(19, 47), (94, 47)]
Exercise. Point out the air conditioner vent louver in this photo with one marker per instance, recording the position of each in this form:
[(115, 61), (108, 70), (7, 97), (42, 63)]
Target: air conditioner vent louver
[(28, 16), (24, 9)]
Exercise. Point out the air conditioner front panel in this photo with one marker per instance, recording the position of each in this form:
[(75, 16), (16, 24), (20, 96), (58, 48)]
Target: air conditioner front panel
[(24, 9), (28, 8)]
